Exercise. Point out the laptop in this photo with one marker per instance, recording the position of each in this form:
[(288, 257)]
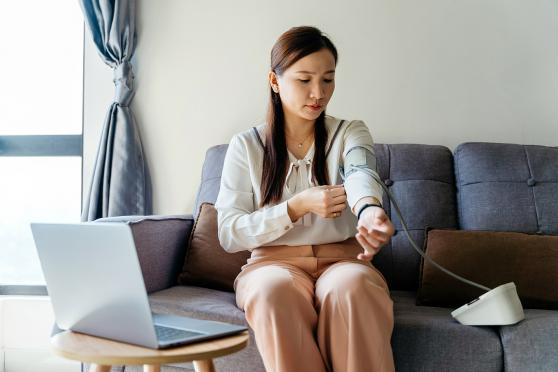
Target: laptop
[(96, 287)]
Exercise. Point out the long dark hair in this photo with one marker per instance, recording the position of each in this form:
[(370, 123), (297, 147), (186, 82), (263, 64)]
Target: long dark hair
[(296, 43)]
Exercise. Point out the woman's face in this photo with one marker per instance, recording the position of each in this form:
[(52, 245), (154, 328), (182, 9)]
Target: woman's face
[(306, 87)]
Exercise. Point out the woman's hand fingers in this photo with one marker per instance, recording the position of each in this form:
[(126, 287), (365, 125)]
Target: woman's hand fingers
[(340, 199), (374, 230), (369, 250), (376, 223), (338, 207), (375, 233), (336, 190), (365, 256), (385, 227), (330, 200), (336, 210), (371, 240)]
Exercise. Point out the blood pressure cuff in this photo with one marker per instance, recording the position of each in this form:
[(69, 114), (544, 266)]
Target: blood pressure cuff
[(361, 162), (358, 158)]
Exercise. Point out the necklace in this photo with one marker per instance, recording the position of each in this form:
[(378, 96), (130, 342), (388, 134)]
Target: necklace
[(299, 144)]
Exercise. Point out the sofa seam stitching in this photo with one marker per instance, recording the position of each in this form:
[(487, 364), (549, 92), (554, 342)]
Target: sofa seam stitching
[(458, 189), (390, 209), (532, 188), (190, 238)]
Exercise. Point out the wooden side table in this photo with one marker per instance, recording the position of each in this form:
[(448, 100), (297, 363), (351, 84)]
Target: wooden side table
[(103, 353)]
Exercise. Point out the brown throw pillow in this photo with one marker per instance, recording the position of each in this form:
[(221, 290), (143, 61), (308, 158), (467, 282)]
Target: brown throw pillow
[(207, 264), (489, 258)]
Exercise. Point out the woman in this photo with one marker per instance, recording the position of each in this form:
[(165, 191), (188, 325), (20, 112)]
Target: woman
[(309, 291)]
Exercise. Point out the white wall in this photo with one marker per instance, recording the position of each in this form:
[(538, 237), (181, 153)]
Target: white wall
[(433, 72)]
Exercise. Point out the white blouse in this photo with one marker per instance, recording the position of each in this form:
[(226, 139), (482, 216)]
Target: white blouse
[(243, 225)]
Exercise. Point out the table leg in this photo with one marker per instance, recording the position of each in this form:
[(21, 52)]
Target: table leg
[(151, 368), (99, 368), (204, 365)]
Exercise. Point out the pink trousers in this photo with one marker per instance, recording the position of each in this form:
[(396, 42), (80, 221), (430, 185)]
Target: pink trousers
[(317, 308)]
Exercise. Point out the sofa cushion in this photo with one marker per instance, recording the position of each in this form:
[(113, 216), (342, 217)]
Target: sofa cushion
[(160, 242), (424, 338), (429, 339), (531, 344), (491, 259), (210, 177), (198, 302), (210, 304), (421, 179), (507, 187), (207, 264)]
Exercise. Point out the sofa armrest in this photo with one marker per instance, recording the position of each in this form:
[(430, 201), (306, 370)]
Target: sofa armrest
[(161, 245)]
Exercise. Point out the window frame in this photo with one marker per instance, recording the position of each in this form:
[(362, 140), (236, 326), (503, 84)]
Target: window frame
[(43, 146)]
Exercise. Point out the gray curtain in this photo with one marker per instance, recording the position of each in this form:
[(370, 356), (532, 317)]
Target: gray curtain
[(120, 183)]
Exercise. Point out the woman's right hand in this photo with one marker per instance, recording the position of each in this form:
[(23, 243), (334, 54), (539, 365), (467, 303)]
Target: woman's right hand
[(326, 201)]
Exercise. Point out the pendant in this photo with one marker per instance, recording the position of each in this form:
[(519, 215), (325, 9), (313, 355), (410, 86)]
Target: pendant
[(299, 145)]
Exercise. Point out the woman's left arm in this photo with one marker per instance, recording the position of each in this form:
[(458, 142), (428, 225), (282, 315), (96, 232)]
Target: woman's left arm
[(374, 226), (360, 185)]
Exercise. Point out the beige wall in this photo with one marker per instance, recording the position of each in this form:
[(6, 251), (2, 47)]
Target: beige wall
[(432, 71)]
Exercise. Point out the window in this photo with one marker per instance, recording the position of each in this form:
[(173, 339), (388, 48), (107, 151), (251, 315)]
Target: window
[(41, 85)]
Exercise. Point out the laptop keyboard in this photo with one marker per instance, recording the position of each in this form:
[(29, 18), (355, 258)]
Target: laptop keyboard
[(169, 334)]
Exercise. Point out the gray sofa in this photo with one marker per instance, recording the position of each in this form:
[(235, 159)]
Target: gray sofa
[(469, 189)]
